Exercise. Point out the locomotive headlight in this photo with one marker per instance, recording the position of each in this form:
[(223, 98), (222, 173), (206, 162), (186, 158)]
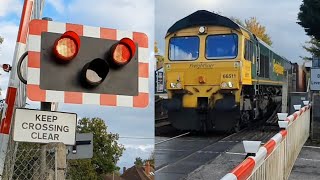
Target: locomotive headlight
[(224, 85), (175, 85), (202, 29), (237, 64)]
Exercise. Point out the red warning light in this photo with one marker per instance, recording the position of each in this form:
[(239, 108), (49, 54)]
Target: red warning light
[(123, 51), (67, 46), (6, 67)]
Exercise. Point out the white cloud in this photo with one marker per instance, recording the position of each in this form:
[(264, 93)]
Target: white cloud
[(144, 147), (58, 5), (10, 6), (118, 14), (134, 151), (9, 32)]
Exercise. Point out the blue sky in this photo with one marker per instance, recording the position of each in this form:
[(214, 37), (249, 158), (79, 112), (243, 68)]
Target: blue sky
[(117, 14)]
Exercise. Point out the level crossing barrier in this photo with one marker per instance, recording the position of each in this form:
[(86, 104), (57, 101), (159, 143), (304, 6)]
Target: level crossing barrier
[(275, 159)]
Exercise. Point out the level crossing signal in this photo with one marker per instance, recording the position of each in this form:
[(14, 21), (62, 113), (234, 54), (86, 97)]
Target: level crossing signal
[(80, 64)]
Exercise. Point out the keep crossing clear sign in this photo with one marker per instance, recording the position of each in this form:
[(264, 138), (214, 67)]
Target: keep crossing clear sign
[(315, 79), (44, 126)]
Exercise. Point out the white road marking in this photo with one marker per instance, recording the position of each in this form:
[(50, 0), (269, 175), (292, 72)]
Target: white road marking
[(314, 147), (236, 153), (315, 160)]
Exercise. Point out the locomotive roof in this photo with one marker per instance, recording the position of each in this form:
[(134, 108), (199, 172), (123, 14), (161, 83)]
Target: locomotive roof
[(202, 18)]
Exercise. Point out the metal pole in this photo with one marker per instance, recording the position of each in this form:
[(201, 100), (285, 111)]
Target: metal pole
[(60, 158), (61, 162), (45, 106)]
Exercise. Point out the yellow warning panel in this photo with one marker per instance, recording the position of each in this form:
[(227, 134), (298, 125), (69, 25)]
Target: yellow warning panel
[(246, 72)]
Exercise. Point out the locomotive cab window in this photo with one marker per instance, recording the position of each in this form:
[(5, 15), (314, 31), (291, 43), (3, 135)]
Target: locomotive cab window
[(224, 46), (184, 48)]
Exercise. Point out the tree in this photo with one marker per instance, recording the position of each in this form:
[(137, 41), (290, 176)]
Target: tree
[(255, 27), (1, 40), (138, 162), (82, 169), (309, 17), (314, 48), (159, 57), (156, 49), (106, 151)]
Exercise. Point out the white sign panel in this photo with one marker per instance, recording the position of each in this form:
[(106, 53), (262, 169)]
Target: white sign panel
[(44, 126), (160, 82), (315, 79)]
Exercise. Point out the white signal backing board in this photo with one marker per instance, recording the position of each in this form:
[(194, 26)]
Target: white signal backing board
[(315, 79)]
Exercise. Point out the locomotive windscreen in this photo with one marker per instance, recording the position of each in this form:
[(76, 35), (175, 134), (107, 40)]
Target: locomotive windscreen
[(224, 46), (184, 48)]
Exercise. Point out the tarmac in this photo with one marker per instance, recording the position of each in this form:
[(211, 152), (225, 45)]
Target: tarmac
[(219, 166), (307, 165), (178, 157)]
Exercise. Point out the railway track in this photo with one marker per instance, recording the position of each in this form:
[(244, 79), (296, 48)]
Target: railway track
[(180, 155), (177, 156), (162, 121)]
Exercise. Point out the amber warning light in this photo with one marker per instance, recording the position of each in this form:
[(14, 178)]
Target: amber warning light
[(67, 46)]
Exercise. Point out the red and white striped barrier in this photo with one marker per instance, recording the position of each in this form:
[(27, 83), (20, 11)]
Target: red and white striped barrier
[(246, 169), (20, 48), (298, 113)]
